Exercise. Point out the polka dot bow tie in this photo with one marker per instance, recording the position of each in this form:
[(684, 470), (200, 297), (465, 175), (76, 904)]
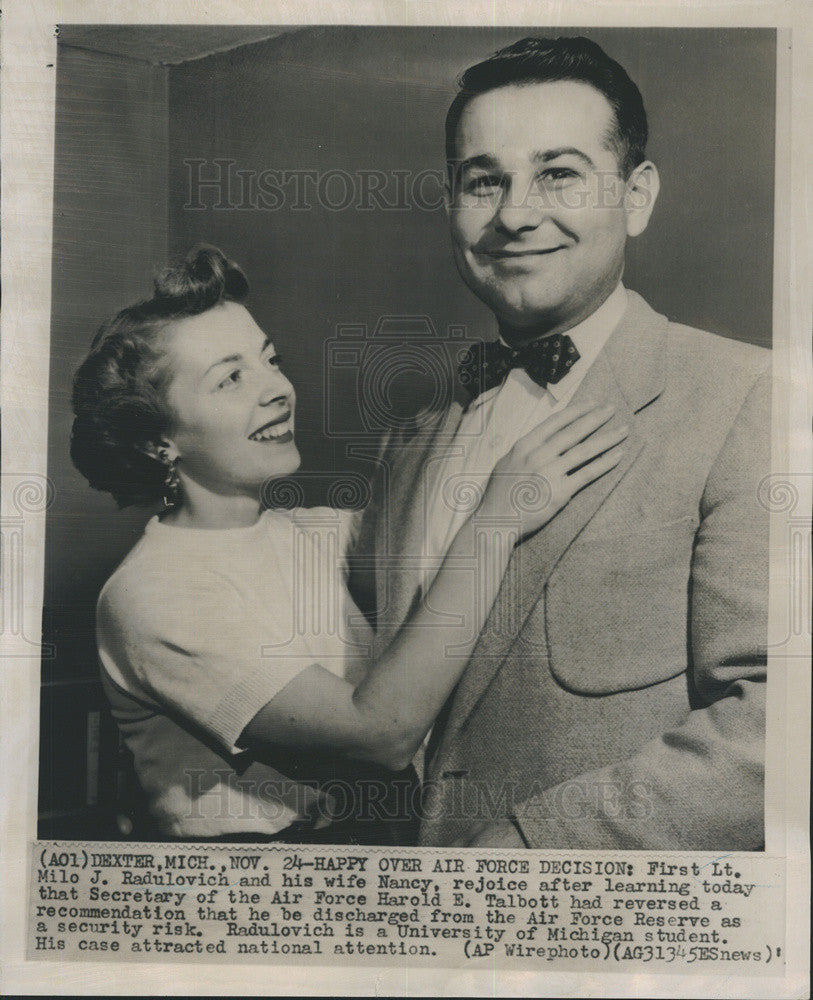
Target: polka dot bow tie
[(486, 363)]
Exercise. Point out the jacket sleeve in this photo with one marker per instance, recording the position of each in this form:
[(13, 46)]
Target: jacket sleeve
[(361, 553), (700, 785)]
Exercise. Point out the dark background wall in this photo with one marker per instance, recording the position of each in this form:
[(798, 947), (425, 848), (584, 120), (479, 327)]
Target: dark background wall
[(110, 226), (322, 251), (110, 229)]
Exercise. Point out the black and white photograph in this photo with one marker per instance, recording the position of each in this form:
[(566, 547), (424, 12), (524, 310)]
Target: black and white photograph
[(352, 235), (412, 491)]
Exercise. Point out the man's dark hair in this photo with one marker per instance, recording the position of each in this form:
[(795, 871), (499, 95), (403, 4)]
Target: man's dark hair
[(120, 390), (543, 60)]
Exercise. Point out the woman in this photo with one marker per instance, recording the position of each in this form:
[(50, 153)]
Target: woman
[(245, 715)]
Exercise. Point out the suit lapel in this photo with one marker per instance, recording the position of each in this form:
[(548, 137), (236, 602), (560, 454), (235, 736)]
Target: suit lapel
[(628, 374)]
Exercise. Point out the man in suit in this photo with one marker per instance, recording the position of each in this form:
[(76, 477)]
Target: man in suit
[(615, 698)]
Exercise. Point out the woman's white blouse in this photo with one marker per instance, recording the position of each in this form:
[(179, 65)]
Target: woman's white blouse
[(197, 631)]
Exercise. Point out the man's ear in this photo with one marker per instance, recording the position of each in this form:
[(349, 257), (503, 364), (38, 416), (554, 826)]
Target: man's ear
[(642, 188)]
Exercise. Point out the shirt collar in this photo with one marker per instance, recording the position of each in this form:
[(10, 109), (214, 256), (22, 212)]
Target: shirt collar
[(589, 336)]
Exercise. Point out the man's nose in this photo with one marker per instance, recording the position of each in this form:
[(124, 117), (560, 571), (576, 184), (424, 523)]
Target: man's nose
[(521, 207)]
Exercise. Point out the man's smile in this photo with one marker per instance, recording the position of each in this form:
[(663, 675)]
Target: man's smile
[(517, 254)]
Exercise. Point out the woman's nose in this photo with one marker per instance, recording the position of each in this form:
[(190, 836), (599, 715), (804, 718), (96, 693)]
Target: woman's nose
[(276, 389)]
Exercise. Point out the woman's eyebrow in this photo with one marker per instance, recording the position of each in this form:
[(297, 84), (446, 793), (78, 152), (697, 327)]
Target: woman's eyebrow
[(231, 358), (224, 361)]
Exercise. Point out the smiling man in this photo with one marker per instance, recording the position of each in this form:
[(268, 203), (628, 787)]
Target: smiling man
[(540, 206), (615, 698)]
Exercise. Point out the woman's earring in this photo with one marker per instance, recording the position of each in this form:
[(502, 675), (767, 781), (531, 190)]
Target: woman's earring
[(172, 482)]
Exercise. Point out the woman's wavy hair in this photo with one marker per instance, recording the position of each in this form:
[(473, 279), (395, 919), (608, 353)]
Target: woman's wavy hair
[(120, 390)]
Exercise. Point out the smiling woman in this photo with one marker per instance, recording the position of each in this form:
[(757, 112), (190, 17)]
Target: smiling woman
[(232, 416), (235, 661)]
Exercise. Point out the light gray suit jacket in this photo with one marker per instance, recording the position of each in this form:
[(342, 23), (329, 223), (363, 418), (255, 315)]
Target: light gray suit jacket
[(616, 695)]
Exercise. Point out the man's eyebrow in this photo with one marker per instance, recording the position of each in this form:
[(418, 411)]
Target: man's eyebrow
[(545, 156), (488, 162), (484, 160)]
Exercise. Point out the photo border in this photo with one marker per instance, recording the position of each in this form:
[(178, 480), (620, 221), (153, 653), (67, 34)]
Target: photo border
[(28, 94)]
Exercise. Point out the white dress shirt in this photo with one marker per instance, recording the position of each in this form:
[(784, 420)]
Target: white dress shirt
[(495, 420)]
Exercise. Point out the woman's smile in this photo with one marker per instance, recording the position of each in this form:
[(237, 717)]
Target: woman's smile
[(278, 431)]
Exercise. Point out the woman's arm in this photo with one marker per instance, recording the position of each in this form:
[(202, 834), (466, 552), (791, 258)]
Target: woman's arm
[(385, 718)]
